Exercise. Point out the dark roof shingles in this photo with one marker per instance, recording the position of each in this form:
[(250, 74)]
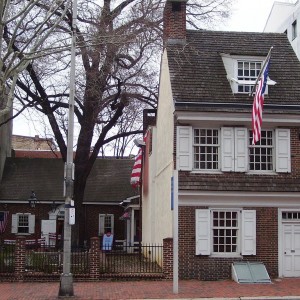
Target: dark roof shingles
[(109, 180), (198, 66)]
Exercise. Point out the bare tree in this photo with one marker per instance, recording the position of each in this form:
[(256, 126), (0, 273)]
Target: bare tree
[(18, 18), (116, 75)]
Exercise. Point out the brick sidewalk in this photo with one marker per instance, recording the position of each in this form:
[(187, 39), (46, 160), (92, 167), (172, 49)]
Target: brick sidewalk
[(151, 290)]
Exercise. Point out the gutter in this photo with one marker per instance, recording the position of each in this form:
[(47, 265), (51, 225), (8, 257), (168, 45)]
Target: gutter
[(278, 107)]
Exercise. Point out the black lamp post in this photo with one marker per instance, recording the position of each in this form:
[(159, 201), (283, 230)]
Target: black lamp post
[(53, 207), (32, 199)]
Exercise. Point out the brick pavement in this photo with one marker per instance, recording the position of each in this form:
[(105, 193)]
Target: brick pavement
[(151, 290)]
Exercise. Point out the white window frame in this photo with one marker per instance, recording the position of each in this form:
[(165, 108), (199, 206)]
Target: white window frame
[(234, 150), (248, 78), (262, 148), (206, 154), (246, 244), (225, 228), (102, 227), (15, 223), (231, 67)]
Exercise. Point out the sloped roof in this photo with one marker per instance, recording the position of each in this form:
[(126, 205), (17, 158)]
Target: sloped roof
[(198, 74), (109, 180), (232, 182)]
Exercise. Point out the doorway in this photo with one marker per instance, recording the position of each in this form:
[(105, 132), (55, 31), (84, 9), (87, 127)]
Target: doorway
[(291, 250)]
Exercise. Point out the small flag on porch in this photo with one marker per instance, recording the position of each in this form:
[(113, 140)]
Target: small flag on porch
[(136, 173), (3, 220), (258, 102)]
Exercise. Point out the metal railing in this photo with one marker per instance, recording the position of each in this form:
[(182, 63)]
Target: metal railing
[(121, 259), (7, 258), (47, 259), (137, 258)]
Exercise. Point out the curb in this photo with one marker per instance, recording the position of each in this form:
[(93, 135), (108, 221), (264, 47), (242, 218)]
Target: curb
[(237, 298)]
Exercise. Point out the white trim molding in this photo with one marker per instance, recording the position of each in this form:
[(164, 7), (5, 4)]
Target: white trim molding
[(240, 199)]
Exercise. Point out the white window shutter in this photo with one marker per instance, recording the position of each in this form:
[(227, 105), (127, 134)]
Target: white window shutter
[(248, 232), (31, 222), (227, 149), (241, 149), (203, 232), (283, 150), (14, 223), (184, 148), (101, 224)]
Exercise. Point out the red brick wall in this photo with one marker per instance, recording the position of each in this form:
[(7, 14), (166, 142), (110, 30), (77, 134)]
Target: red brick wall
[(94, 257), (168, 258), (193, 266), (92, 220), (238, 181), (20, 257), (175, 21), (41, 213), (295, 150)]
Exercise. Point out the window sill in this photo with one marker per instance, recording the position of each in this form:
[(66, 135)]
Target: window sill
[(220, 255), (206, 172), (21, 234), (272, 173)]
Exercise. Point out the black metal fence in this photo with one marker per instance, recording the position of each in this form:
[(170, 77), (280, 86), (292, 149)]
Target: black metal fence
[(7, 258), (132, 259), (121, 258), (49, 260)]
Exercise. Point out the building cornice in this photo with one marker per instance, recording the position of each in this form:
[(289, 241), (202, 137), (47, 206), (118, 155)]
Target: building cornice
[(234, 199)]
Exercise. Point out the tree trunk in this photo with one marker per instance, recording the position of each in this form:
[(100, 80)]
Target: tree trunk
[(79, 229)]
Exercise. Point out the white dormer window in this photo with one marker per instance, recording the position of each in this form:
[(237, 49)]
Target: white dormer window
[(247, 71), (242, 72)]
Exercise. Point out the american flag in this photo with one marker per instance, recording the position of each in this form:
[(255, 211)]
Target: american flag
[(135, 178), (3, 220), (258, 102)]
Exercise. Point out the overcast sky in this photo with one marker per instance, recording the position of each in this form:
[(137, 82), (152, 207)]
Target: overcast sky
[(249, 15)]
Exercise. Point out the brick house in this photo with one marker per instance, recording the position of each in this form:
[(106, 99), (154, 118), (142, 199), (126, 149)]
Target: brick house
[(41, 216), (237, 202), (32, 143)]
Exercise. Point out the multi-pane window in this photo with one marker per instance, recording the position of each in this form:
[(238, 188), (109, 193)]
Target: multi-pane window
[(248, 70), (106, 223), (206, 149), (225, 231), (261, 155), (230, 149), (291, 215), (23, 223)]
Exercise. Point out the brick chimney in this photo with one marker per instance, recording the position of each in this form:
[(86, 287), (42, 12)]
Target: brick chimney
[(175, 22)]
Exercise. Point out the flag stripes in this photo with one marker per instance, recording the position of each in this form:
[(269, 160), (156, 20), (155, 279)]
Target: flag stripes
[(3, 220), (258, 103), (135, 178)]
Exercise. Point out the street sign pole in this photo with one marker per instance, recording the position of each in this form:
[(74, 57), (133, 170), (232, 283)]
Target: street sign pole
[(66, 279)]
